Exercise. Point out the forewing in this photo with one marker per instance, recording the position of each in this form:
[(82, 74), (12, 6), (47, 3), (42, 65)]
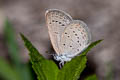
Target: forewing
[(56, 21), (75, 38)]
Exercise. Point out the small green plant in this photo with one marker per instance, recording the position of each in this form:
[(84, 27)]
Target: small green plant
[(14, 69), (48, 70)]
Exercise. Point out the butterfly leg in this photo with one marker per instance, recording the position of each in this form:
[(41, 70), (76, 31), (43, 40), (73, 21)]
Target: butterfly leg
[(61, 64)]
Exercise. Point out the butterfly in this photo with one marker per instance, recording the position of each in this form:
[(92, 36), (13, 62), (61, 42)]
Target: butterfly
[(68, 37)]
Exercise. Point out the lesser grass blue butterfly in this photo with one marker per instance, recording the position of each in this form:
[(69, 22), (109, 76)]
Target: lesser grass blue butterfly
[(69, 37)]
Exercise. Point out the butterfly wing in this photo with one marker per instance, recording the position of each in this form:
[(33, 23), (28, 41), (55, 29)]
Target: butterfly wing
[(56, 21), (75, 38)]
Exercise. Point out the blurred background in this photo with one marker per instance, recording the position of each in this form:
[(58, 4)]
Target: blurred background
[(28, 17)]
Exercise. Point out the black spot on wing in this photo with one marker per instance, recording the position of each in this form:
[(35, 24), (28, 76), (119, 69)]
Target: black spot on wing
[(53, 20), (73, 31), (64, 44), (70, 46), (59, 22), (63, 25), (75, 34), (80, 44), (77, 37), (65, 33)]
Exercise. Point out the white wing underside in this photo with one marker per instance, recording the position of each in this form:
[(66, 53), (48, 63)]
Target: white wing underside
[(75, 38), (68, 36), (56, 22)]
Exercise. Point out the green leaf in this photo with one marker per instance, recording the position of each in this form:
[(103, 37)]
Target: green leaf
[(11, 43), (72, 70), (93, 44), (45, 69), (7, 72), (92, 77), (13, 49)]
